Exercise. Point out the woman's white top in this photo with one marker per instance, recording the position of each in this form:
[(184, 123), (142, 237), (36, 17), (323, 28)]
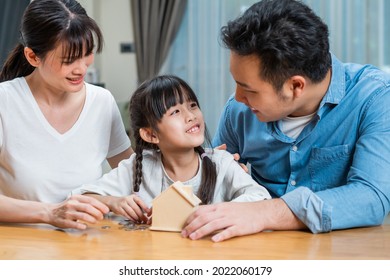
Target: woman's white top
[(37, 162)]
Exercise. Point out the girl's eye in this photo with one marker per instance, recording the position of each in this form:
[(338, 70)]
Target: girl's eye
[(174, 112), (193, 105)]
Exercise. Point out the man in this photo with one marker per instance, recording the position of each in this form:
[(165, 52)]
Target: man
[(315, 131)]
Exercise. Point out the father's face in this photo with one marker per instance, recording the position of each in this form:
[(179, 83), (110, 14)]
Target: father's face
[(260, 96)]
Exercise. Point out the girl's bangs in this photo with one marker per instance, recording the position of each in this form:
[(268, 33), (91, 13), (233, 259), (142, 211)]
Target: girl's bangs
[(170, 96)]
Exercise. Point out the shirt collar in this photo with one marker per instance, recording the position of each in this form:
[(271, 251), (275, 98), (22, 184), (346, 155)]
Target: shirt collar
[(336, 90)]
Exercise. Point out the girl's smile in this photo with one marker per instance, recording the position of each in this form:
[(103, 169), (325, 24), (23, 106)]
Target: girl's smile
[(194, 129), (187, 118)]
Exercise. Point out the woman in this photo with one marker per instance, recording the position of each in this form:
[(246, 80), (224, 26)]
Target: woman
[(55, 130)]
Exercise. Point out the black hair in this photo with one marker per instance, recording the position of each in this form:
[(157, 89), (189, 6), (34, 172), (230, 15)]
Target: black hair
[(287, 37), (46, 24), (148, 105)]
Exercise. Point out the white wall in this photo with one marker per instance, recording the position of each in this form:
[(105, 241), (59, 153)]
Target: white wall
[(116, 70)]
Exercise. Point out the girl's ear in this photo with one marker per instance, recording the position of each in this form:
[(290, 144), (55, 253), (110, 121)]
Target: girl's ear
[(31, 57), (148, 135)]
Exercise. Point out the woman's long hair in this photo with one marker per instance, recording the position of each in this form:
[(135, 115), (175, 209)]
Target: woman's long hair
[(45, 25)]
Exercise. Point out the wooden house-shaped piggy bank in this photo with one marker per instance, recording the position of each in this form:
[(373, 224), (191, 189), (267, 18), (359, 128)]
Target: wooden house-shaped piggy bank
[(172, 207)]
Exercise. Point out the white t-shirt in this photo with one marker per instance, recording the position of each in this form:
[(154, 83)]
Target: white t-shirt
[(293, 126), (37, 162), (233, 183)]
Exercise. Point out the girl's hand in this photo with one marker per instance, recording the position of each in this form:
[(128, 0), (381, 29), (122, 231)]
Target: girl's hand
[(131, 207)]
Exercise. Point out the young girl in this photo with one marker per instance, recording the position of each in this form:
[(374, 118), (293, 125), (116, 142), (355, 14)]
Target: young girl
[(169, 132)]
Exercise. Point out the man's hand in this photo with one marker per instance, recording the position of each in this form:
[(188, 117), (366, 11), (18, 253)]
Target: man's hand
[(235, 156), (240, 218)]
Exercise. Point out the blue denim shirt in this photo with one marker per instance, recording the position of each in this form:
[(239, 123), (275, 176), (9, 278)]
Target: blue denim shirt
[(336, 174)]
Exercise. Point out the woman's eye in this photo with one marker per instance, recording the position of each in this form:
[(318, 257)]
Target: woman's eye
[(68, 61)]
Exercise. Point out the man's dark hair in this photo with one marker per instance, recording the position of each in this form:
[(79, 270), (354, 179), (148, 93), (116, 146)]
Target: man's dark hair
[(286, 35)]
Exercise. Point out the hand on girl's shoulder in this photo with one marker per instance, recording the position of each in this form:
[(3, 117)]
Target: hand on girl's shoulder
[(223, 155)]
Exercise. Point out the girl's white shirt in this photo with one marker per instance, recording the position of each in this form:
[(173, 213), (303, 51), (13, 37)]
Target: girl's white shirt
[(37, 162), (233, 183)]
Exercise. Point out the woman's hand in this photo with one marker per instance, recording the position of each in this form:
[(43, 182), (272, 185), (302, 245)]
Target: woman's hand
[(75, 211)]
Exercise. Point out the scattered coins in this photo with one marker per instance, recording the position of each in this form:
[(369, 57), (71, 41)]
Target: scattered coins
[(129, 225)]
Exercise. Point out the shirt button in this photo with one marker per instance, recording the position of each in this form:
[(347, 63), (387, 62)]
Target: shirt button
[(293, 182), (295, 148)]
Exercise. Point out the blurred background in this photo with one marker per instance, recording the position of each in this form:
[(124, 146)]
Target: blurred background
[(181, 37)]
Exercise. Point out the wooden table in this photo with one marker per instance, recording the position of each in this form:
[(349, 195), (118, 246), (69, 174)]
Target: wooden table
[(109, 241)]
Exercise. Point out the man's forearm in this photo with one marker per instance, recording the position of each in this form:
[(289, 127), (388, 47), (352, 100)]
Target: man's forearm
[(280, 217)]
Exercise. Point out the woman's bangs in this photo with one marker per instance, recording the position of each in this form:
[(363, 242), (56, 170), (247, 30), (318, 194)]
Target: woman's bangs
[(77, 45)]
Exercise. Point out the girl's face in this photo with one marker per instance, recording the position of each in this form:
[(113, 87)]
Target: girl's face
[(63, 75), (182, 126)]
